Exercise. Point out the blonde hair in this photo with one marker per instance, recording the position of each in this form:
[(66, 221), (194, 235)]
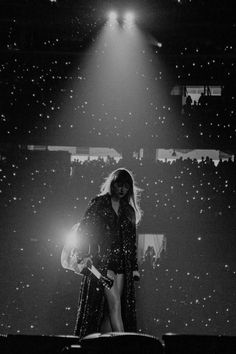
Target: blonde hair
[(133, 195)]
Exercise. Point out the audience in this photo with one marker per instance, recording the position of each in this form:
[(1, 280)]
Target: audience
[(45, 98), (189, 290)]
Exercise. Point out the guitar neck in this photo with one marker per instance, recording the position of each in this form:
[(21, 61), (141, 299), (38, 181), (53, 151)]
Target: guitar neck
[(95, 272), (108, 283)]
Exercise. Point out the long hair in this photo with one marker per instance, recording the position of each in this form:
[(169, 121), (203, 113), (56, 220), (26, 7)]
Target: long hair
[(122, 175)]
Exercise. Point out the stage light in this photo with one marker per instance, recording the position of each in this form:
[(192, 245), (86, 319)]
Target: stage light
[(129, 17), (112, 16)]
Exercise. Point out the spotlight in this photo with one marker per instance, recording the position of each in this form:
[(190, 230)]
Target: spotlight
[(112, 16), (129, 17)]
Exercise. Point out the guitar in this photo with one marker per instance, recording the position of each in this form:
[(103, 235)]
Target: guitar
[(105, 281)]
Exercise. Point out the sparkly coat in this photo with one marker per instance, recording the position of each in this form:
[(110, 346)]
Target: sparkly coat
[(116, 237)]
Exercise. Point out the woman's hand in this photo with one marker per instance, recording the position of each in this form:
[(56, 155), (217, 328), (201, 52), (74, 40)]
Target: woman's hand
[(136, 275), (81, 265), (110, 274)]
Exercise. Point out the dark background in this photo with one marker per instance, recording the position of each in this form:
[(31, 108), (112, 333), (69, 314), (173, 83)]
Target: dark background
[(43, 93)]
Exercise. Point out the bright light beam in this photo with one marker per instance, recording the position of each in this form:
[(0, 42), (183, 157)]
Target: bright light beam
[(129, 18), (122, 91), (112, 16)]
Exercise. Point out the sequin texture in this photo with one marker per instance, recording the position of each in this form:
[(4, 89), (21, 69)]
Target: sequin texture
[(112, 240)]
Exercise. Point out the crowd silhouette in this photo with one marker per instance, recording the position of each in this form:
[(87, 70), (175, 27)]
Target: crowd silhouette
[(191, 202)]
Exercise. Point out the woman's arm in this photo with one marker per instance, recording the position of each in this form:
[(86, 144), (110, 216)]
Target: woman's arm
[(134, 242), (89, 228), (134, 250), (136, 274)]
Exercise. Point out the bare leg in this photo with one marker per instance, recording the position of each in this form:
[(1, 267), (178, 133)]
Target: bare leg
[(120, 283), (114, 304), (106, 325)]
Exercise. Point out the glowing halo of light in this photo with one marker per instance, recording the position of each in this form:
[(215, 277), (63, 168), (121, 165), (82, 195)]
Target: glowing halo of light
[(129, 17), (112, 16)]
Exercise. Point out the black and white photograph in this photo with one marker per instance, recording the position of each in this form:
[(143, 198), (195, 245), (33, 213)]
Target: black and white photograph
[(117, 177)]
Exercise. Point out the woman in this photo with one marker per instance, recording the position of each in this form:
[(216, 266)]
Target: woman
[(109, 229)]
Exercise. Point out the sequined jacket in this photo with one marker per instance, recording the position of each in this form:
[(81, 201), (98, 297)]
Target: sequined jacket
[(115, 237)]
